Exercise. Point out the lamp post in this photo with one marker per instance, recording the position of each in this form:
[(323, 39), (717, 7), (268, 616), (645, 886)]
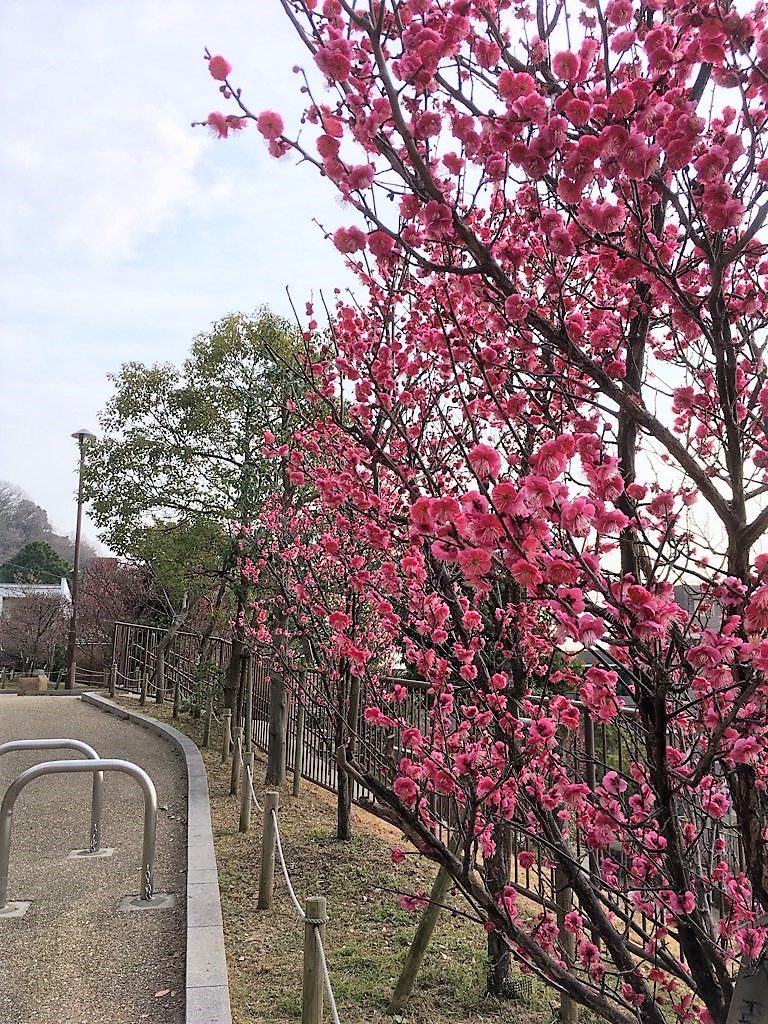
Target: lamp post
[(80, 436)]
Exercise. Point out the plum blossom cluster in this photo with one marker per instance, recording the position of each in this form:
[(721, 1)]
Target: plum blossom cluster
[(535, 467)]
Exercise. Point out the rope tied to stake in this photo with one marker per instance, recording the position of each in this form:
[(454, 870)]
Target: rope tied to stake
[(315, 922), (253, 791), (284, 868), (326, 978)]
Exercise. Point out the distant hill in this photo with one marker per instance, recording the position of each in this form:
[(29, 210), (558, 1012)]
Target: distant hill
[(22, 521)]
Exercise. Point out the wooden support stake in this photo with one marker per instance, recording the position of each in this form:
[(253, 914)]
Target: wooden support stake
[(234, 782), (312, 983), (418, 947), (245, 794), (267, 873), (176, 699), (298, 757), (144, 687), (225, 743), (208, 718), (112, 680)]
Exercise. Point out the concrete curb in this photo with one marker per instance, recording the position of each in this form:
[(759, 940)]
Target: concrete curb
[(207, 987), (44, 693)]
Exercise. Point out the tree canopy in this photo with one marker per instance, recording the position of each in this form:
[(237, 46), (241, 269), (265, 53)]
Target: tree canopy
[(179, 474), (34, 563), (183, 445)]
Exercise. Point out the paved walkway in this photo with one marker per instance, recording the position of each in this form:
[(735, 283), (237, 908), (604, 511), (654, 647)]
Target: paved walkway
[(75, 958)]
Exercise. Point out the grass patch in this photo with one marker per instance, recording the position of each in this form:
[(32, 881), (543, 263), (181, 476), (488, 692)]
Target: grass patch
[(368, 933)]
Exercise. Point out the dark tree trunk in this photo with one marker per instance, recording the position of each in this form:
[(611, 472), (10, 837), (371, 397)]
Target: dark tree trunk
[(344, 782), (179, 618), (232, 676), (499, 958), (345, 735), (278, 715), (278, 708), (160, 676)]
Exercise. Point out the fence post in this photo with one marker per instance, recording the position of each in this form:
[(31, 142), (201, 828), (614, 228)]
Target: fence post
[(312, 982), (267, 874), (569, 1010), (298, 754), (176, 699), (144, 687), (208, 717), (245, 793), (249, 705), (234, 781), (225, 743), (112, 679)]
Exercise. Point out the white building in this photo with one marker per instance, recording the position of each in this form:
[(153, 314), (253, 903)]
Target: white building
[(10, 592)]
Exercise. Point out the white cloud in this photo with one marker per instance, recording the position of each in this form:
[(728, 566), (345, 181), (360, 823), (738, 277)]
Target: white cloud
[(125, 231), (121, 196)]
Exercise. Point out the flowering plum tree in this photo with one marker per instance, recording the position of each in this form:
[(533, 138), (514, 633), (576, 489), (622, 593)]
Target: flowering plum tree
[(32, 630), (308, 610), (557, 441)]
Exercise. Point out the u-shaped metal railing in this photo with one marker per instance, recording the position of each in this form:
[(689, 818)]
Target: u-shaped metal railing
[(97, 799), (102, 764)]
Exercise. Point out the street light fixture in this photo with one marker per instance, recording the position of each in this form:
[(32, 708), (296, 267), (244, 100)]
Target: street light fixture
[(80, 436)]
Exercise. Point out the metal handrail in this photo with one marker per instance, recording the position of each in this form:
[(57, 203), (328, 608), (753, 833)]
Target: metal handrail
[(99, 765), (97, 798)]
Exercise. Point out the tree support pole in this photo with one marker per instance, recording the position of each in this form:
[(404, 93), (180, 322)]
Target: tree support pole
[(237, 753), (245, 793), (418, 948)]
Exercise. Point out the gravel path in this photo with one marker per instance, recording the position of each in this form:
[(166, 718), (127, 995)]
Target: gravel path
[(74, 958)]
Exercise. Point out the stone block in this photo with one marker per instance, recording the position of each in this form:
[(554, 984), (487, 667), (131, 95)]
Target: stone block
[(203, 906), (31, 684), (208, 1005), (206, 961)]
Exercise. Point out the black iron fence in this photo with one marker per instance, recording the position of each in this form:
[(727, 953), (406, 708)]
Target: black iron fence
[(193, 664)]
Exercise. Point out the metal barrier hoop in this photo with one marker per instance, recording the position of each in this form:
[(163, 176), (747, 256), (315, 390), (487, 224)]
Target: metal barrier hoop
[(97, 798), (62, 767)]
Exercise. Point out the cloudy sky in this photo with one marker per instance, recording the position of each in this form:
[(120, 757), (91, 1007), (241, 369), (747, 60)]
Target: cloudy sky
[(125, 231)]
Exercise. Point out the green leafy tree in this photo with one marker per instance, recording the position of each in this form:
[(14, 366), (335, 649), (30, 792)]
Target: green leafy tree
[(179, 470), (34, 563)]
